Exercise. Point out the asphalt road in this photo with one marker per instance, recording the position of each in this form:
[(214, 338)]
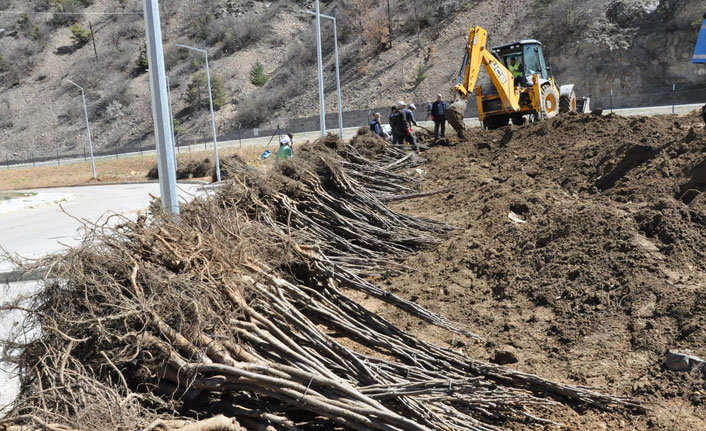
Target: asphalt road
[(37, 225), (40, 227)]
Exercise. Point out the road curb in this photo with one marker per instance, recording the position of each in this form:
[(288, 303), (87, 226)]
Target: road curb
[(17, 275)]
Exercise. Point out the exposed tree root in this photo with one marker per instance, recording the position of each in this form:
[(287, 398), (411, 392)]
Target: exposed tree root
[(238, 311)]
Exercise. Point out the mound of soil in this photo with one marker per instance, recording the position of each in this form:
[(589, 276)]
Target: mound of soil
[(581, 251), (187, 169)]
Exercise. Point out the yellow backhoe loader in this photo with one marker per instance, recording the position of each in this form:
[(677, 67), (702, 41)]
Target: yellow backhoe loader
[(523, 88)]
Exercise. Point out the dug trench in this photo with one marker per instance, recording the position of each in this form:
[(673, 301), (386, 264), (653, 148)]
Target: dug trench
[(580, 257)]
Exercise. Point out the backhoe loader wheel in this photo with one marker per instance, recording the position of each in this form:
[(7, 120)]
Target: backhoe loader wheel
[(567, 103), (550, 101)]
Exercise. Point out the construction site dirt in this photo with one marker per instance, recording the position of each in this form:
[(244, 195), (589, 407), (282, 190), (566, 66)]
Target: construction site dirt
[(580, 257), (518, 279)]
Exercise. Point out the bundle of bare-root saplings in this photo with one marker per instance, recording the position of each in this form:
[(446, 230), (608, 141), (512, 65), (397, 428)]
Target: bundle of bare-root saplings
[(236, 316)]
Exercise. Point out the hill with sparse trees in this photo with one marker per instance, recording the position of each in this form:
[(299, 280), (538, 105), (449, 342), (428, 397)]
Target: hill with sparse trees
[(263, 59)]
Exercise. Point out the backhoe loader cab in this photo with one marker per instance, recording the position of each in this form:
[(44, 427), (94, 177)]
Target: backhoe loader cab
[(516, 95), (528, 54)]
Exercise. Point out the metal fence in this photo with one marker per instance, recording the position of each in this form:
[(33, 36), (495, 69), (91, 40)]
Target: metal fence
[(614, 99), (664, 96)]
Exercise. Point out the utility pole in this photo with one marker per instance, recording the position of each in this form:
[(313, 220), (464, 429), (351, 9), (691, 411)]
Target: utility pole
[(322, 107), (160, 109), (93, 39)]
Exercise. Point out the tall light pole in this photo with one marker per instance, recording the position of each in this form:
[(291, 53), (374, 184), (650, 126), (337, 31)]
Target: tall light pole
[(338, 73), (88, 127), (210, 101), (160, 109), (322, 107), (171, 118)]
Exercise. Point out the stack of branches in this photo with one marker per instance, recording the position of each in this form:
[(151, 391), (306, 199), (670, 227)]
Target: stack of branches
[(233, 313)]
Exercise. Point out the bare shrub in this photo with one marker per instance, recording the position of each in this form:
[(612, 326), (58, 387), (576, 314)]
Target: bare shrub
[(232, 34), (114, 98), (17, 59), (259, 109), (369, 18), (174, 56), (124, 33), (68, 12), (303, 52), (5, 114), (571, 22)]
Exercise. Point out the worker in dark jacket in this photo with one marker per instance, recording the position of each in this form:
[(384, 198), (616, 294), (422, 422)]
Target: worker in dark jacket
[(401, 129), (409, 114), (438, 114)]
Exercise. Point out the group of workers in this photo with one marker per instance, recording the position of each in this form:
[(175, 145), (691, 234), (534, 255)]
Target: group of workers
[(402, 119)]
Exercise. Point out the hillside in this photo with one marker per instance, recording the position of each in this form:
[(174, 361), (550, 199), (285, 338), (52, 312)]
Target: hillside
[(631, 46)]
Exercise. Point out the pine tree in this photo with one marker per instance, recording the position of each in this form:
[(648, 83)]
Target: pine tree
[(79, 34), (142, 61), (258, 77), (197, 91)]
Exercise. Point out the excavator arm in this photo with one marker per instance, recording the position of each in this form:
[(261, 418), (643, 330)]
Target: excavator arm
[(477, 55)]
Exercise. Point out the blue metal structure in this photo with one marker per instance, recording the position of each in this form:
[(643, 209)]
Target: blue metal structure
[(700, 49)]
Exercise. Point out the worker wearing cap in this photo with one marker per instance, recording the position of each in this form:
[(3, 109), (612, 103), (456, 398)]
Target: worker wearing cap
[(409, 114), (285, 148), (401, 129)]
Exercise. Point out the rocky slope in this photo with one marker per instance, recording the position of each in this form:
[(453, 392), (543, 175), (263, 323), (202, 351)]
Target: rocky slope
[(631, 46)]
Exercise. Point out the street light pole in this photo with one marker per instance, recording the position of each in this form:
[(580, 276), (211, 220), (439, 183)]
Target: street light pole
[(171, 118), (160, 109), (338, 81), (210, 101), (322, 107), (88, 127), (338, 73)]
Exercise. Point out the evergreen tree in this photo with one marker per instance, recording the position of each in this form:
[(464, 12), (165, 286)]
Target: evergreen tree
[(258, 77)]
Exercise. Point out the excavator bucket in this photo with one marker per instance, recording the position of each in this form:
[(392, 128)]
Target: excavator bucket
[(454, 115)]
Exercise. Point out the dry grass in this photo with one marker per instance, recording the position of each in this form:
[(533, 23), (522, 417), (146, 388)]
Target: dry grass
[(124, 170)]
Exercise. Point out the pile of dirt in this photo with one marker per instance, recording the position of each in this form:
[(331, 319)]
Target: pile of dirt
[(235, 314), (580, 256)]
